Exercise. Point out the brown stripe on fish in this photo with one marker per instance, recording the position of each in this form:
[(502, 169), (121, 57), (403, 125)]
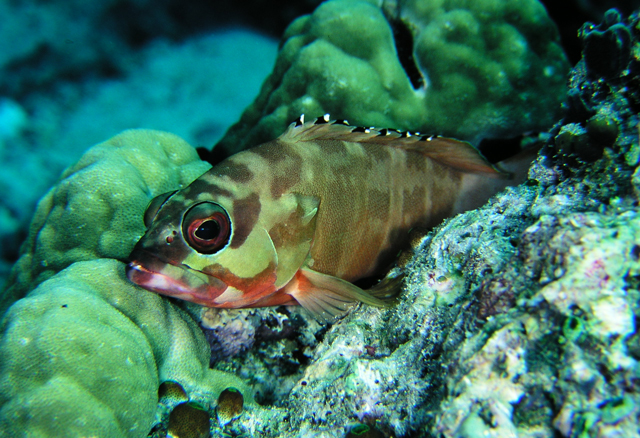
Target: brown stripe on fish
[(289, 173), (414, 199), (377, 153), (332, 146), (415, 163), (271, 152), (381, 204), (237, 172), (206, 185), (246, 212), (340, 225)]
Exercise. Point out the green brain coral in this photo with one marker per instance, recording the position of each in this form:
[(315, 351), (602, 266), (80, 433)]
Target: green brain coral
[(85, 351), (96, 208), (467, 69)]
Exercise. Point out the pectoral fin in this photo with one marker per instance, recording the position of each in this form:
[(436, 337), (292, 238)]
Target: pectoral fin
[(325, 296), (293, 235)]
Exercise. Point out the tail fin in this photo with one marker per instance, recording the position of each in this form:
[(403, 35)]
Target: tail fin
[(477, 188)]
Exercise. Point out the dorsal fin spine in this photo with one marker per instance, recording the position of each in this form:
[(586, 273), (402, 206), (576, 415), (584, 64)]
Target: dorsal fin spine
[(457, 154)]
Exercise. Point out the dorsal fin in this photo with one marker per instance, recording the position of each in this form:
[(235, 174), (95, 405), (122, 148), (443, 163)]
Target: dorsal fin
[(450, 152)]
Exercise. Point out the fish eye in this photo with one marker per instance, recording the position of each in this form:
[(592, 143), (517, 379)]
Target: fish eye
[(155, 205), (206, 227)]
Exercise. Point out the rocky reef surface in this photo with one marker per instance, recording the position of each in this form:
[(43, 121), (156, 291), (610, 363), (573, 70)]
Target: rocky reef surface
[(516, 319)]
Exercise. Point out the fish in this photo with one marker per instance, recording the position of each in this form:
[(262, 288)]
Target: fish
[(299, 219)]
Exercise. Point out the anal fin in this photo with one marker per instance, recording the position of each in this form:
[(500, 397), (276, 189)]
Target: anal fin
[(328, 297)]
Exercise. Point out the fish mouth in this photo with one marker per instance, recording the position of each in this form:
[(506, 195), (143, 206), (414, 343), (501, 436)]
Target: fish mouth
[(179, 281)]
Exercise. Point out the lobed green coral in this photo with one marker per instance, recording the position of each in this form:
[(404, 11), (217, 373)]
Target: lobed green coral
[(95, 210), (466, 69), (96, 348), (85, 351)]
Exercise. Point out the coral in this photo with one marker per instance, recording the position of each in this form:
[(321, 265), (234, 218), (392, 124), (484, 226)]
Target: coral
[(265, 346), (96, 208), (559, 342), (607, 47), (85, 352), (172, 393), (228, 331), (188, 421), (364, 431), (230, 404), (85, 337), (468, 70)]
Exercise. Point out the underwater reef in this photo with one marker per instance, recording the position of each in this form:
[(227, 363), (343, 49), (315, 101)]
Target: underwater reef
[(73, 74), (516, 319), (467, 70)]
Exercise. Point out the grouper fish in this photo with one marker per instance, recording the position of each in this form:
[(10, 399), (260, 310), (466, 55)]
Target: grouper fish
[(298, 219)]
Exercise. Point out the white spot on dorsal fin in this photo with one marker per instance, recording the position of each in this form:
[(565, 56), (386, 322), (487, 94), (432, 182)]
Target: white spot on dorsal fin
[(322, 120)]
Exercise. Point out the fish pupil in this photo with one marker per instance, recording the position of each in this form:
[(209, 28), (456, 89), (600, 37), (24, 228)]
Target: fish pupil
[(208, 230)]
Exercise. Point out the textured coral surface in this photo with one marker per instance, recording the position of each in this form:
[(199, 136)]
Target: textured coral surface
[(86, 351), (469, 70), (96, 209)]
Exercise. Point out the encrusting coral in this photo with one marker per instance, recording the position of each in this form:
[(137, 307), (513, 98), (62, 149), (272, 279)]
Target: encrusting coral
[(468, 70), (89, 343)]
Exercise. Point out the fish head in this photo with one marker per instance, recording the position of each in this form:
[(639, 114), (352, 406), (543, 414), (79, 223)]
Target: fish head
[(213, 246)]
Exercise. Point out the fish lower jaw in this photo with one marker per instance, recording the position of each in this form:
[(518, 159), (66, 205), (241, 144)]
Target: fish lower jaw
[(165, 285)]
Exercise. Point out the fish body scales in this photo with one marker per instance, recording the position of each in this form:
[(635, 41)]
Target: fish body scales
[(297, 219)]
